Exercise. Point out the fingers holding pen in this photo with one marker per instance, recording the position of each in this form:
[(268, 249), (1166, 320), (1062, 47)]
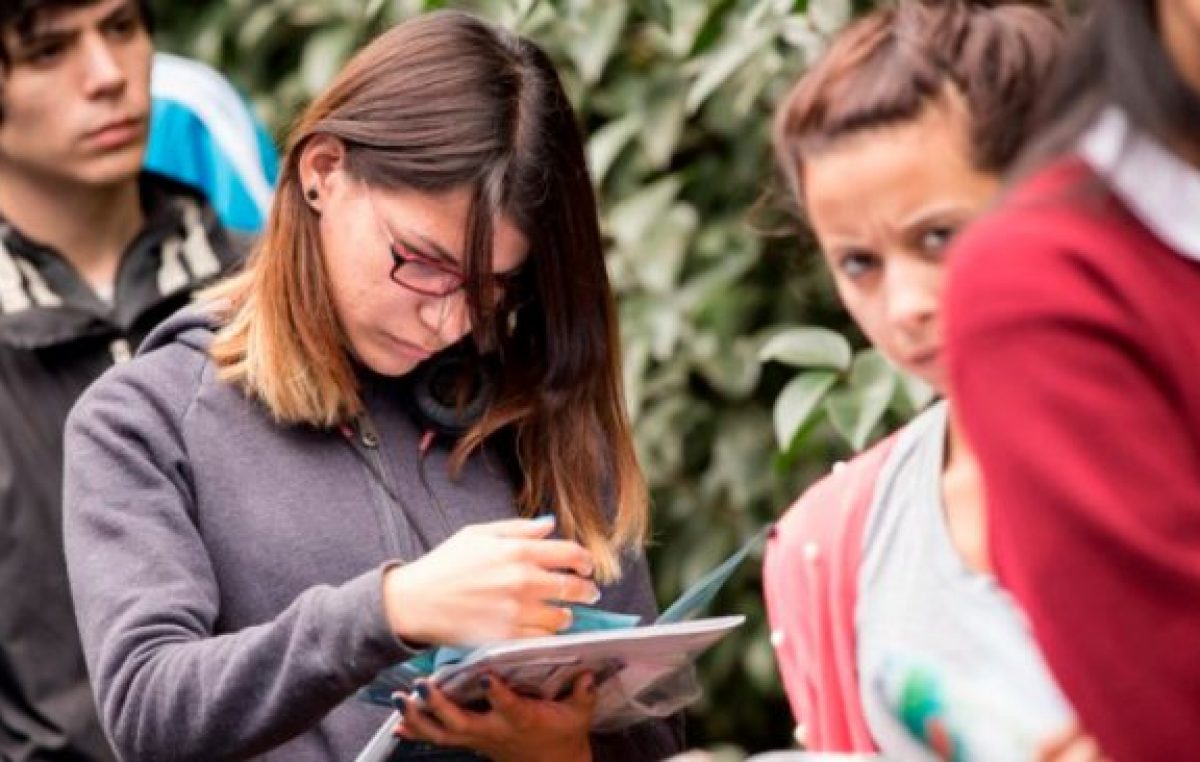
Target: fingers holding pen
[(530, 542), (490, 581), (564, 555)]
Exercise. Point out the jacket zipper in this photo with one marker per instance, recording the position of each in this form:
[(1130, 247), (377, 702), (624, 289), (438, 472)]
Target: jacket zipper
[(381, 487)]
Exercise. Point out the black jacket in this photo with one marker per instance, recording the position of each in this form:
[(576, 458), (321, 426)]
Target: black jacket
[(56, 337)]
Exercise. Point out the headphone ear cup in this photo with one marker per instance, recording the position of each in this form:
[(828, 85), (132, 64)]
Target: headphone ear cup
[(435, 391)]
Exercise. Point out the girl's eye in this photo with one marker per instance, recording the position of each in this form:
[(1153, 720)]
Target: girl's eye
[(421, 269), (936, 239), (856, 264)]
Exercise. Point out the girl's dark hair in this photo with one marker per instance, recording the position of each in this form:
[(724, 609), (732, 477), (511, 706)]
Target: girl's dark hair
[(439, 103), (889, 65), (22, 16), (1117, 58)]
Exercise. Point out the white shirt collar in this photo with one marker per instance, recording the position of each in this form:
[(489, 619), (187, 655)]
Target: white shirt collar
[(1157, 186)]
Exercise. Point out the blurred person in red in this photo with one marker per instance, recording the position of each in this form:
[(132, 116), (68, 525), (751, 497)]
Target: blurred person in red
[(1074, 353), (94, 252)]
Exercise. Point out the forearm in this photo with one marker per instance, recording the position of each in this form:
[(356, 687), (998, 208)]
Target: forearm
[(167, 693)]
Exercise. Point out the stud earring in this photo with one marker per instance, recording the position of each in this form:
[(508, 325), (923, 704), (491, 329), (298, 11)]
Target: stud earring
[(311, 194)]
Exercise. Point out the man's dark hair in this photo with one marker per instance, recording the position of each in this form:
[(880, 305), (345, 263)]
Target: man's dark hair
[(22, 16)]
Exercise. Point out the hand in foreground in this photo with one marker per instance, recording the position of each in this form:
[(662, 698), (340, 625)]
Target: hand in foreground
[(489, 582), (514, 729), (1071, 745)]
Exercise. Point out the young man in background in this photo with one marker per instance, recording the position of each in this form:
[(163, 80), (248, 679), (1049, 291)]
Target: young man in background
[(94, 252)]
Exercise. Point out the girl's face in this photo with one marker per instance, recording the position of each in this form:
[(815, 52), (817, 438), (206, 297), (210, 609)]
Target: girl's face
[(884, 204), (396, 315)]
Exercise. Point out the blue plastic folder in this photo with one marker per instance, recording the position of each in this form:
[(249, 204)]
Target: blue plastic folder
[(457, 661), (403, 677)]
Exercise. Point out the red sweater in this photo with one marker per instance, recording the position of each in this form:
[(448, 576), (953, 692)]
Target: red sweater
[(1074, 348)]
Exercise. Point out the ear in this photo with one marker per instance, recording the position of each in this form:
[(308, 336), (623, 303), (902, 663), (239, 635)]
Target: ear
[(322, 168)]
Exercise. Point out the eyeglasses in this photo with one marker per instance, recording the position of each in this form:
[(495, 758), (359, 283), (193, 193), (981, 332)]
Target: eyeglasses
[(416, 271), (426, 275), (422, 274)]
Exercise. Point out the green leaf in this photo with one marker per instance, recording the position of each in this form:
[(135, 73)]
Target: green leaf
[(636, 360), (523, 8), (373, 9), (631, 219), (204, 38), (741, 445), (856, 410), (714, 281), (720, 65), (658, 257), (600, 30), (608, 142), (257, 26), (732, 367), (314, 13), (657, 11), (917, 392), (808, 348), (760, 662), (323, 56), (687, 23), (662, 127), (657, 320), (711, 549), (797, 402), (753, 79), (540, 18), (757, 14), (828, 16)]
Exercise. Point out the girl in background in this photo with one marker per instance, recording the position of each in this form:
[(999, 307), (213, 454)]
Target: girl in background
[(892, 143)]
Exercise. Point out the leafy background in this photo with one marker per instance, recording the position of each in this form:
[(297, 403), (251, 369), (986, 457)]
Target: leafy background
[(738, 399)]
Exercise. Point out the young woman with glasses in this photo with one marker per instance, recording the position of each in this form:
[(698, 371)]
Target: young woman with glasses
[(256, 522)]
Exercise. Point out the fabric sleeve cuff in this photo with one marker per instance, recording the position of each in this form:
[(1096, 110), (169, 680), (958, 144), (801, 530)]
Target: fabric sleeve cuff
[(366, 641)]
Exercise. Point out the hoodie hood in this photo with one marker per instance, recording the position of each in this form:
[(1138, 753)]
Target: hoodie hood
[(193, 326)]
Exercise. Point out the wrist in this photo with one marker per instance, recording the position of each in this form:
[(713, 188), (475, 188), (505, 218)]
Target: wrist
[(401, 607), (580, 751), (577, 752), (583, 752)]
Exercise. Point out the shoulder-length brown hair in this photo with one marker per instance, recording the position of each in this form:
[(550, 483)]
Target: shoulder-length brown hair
[(441, 102), (997, 56)]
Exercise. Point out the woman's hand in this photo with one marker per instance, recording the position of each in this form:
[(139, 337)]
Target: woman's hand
[(1071, 745), (515, 729), (489, 582)]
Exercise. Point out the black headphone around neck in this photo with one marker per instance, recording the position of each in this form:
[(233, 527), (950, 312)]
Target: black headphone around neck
[(450, 392)]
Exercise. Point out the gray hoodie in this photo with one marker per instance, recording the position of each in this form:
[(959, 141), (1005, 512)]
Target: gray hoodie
[(227, 570)]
